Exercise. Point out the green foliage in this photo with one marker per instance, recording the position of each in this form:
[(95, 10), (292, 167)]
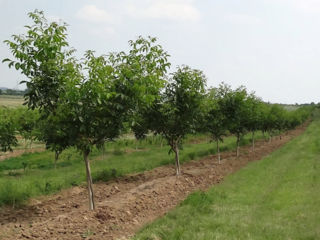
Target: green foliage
[(177, 112), (254, 113), (215, 121), (27, 123), (175, 115), (84, 104), (105, 175), (141, 71), (7, 131), (42, 56), (233, 104), (14, 193)]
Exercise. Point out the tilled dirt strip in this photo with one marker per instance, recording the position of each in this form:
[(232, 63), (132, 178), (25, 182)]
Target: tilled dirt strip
[(126, 204)]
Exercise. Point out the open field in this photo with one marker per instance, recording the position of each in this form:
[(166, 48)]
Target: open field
[(126, 203), (11, 101), (276, 198)]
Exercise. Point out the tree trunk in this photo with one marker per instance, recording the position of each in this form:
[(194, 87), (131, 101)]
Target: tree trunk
[(218, 151), (176, 151), (103, 151), (56, 157), (238, 145), (253, 141), (89, 180)]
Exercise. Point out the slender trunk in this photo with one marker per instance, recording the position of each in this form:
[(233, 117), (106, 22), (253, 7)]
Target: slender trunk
[(238, 145), (89, 180), (56, 157), (270, 137), (252, 141), (176, 151), (103, 152), (218, 151)]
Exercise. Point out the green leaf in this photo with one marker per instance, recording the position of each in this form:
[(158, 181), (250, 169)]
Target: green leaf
[(6, 60), (17, 66)]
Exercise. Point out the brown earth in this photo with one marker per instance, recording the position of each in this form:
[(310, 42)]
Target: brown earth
[(125, 204)]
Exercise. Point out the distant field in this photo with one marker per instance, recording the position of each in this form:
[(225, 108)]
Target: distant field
[(275, 198), (11, 101), (291, 107)]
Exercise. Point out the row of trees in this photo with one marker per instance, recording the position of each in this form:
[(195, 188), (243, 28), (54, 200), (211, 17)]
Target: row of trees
[(15, 92), (84, 103), (17, 121), (238, 112)]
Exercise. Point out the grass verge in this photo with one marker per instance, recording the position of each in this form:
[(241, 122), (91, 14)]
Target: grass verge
[(275, 198)]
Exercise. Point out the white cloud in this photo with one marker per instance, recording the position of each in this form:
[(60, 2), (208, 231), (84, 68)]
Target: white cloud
[(312, 6), (103, 32), (100, 22), (178, 10), (307, 6), (53, 18), (92, 13), (242, 19)]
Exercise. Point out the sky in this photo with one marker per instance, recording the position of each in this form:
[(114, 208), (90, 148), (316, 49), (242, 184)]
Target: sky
[(270, 46)]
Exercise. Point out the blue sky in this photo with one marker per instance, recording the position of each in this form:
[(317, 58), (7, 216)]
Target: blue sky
[(270, 46)]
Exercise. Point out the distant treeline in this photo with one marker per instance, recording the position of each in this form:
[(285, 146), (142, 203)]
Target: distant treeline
[(9, 91)]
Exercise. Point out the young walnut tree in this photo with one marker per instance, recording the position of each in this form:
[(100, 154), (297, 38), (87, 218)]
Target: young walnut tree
[(177, 112), (87, 101), (7, 133), (215, 122)]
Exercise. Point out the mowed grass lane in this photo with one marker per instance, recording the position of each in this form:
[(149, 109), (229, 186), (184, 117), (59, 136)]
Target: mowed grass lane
[(275, 198)]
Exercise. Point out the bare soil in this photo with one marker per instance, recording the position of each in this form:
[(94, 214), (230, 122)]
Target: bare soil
[(126, 204)]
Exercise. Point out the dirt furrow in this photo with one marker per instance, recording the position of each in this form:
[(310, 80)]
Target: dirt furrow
[(125, 204)]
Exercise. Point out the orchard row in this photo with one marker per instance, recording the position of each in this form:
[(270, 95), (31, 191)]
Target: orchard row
[(85, 102)]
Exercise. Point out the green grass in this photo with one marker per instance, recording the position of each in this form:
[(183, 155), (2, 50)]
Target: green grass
[(121, 158), (275, 198), (25, 145), (11, 101)]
